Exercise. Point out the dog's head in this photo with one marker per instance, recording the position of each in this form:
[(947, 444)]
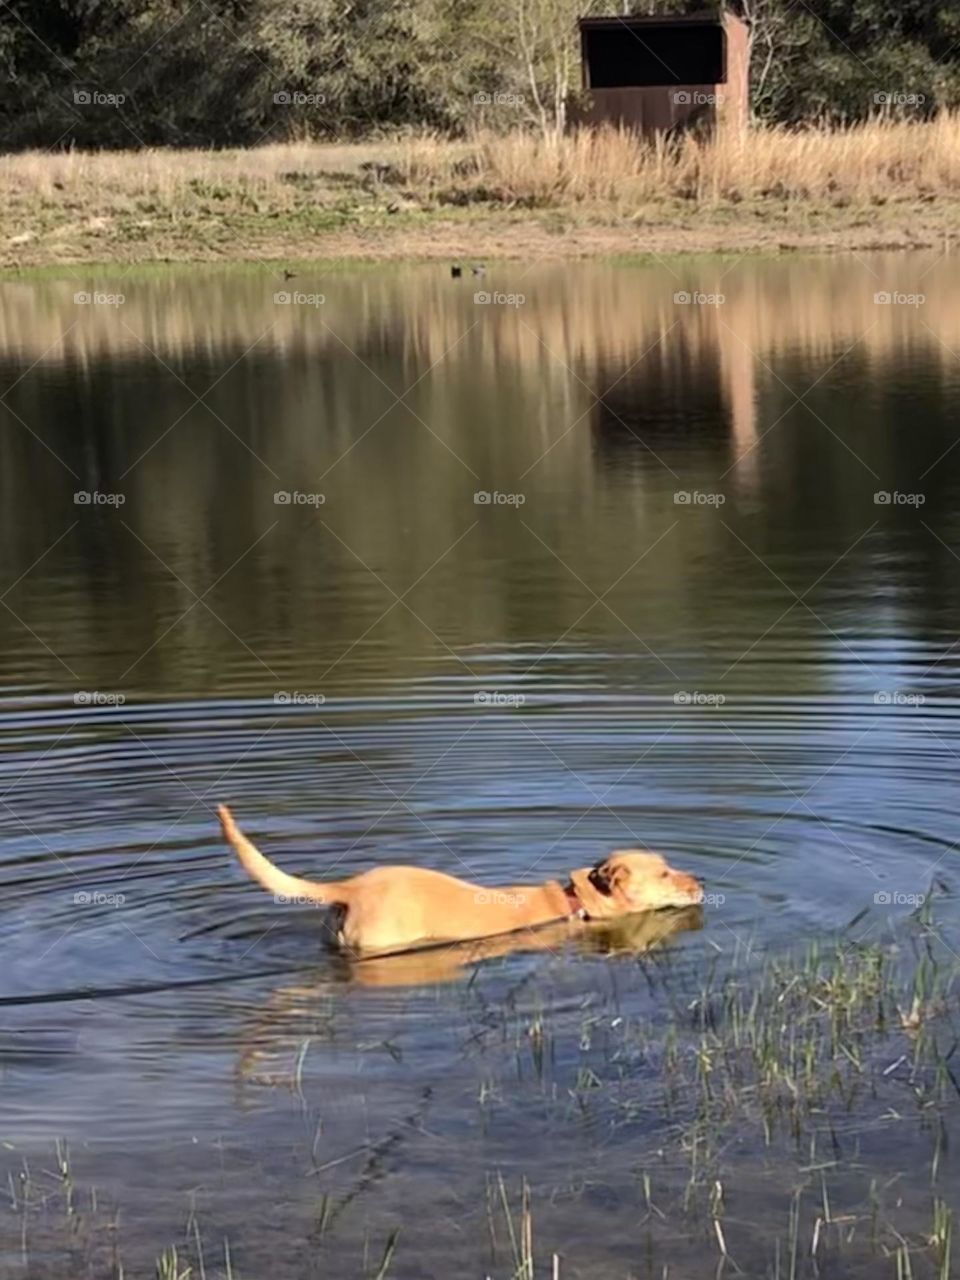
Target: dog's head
[(632, 880)]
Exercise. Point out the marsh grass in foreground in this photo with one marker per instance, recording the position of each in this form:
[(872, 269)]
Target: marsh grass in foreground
[(791, 1119), (808, 1071), (601, 191), (782, 1116)]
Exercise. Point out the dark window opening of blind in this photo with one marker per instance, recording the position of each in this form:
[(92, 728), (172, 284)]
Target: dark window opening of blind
[(624, 55)]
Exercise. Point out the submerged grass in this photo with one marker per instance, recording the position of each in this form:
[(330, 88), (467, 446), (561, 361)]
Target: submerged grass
[(792, 1118), (783, 1116)]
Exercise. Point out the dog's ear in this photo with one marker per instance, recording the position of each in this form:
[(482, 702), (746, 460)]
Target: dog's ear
[(618, 876)]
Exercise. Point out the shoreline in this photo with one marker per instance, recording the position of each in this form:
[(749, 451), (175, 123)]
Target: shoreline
[(881, 187), (371, 237)]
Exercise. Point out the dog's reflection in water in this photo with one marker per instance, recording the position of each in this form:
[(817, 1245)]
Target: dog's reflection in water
[(293, 1014), (624, 935)]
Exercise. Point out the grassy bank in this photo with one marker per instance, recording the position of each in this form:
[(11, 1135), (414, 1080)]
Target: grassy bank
[(877, 185)]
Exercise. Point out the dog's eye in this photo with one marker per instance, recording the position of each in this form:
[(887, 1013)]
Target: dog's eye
[(664, 874), (598, 879)]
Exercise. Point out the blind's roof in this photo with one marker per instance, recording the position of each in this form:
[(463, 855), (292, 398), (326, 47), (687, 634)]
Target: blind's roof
[(670, 20)]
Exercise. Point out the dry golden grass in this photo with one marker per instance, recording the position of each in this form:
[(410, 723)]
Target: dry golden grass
[(874, 161), (410, 196), (171, 173), (877, 159)]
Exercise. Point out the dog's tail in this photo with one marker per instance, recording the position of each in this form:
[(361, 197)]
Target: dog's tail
[(272, 878)]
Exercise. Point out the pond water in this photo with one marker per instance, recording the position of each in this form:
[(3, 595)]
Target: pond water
[(625, 555)]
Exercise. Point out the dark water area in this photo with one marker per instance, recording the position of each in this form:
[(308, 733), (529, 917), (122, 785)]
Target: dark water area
[(409, 577)]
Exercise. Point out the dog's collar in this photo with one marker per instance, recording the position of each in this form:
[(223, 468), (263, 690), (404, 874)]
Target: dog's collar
[(576, 909)]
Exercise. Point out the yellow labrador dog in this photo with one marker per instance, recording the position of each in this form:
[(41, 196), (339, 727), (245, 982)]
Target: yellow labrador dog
[(390, 909)]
